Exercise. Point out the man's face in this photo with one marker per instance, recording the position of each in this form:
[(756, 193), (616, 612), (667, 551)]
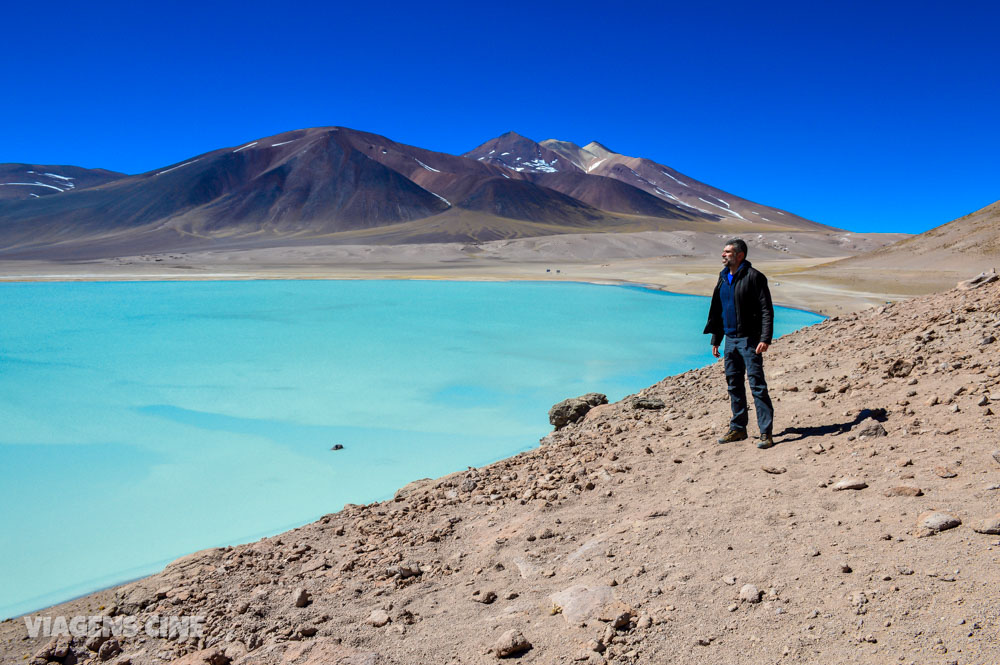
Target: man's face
[(730, 258)]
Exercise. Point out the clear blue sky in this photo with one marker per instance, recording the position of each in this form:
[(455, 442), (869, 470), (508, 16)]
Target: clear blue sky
[(870, 116)]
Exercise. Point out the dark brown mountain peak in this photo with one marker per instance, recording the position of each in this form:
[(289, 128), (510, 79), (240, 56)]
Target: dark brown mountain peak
[(518, 153)]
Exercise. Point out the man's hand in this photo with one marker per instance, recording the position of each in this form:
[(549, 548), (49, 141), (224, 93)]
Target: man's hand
[(762, 347), (715, 352)]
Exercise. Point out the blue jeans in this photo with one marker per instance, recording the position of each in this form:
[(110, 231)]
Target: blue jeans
[(741, 358)]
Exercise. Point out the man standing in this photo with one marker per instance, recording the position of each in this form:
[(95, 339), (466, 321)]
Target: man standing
[(741, 310)]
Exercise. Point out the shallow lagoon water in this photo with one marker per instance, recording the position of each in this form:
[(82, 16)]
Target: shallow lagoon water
[(143, 421)]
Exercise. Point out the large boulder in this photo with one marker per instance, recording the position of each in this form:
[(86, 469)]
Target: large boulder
[(573, 410)]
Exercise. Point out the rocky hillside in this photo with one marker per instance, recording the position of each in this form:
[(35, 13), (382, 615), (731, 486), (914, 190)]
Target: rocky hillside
[(868, 534)]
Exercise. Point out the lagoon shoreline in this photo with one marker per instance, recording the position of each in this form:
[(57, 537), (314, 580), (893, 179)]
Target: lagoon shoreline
[(634, 536), (682, 276)]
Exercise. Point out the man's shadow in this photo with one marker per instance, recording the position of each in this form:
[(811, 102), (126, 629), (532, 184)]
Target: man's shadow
[(799, 433)]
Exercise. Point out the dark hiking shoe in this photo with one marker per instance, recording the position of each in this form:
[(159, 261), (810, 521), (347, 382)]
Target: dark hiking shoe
[(765, 441), (734, 435)]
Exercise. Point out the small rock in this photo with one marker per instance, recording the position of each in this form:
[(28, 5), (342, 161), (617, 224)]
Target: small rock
[(750, 594), (337, 446), (904, 462), (510, 644), (618, 614), (94, 642), (934, 521), (650, 403), (300, 597), (774, 469), (990, 525), (112, 648), (730, 580), (485, 597), (945, 472), (406, 570), (849, 484), (872, 431), (820, 388), (900, 368), (378, 618), (845, 567), (996, 456), (904, 490)]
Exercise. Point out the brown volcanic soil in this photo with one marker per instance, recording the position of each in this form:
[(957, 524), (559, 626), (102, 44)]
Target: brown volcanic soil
[(637, 518), (930, 261)]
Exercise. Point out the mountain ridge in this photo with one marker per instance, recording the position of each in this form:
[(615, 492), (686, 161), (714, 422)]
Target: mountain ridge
[(331, 182)]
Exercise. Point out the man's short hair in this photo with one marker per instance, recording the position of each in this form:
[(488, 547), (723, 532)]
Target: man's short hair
[(738, 245)]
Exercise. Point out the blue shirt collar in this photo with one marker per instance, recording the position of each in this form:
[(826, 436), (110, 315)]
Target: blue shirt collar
[(730, 276)]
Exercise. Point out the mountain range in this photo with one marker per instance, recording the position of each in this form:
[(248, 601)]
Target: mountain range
[(338, 185)]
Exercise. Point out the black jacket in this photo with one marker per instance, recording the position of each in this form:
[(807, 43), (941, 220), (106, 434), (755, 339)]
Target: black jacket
[(754, 311)]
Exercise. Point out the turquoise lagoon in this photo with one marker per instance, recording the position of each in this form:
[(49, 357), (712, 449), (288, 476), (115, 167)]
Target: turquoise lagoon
[(145, 420)]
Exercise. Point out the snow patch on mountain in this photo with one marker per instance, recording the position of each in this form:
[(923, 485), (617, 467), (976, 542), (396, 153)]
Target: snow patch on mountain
[(674, 179), (34, 184), (542, 165), (174, 168), (427, 167), (726, 208)]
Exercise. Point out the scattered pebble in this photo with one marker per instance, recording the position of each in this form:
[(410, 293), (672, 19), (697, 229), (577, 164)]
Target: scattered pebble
[(936, 521), (378, 618), (510, 644), (904, 490), (849, 484), (750, 594), (990, 525)]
